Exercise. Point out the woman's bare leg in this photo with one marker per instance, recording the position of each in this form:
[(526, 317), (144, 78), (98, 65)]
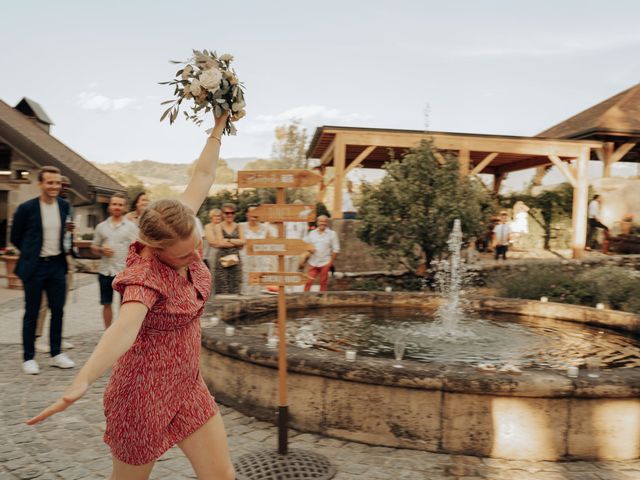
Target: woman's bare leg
[(208, 451), (124, 471)]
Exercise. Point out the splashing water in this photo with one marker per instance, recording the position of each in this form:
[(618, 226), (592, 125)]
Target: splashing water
[(450, 277)]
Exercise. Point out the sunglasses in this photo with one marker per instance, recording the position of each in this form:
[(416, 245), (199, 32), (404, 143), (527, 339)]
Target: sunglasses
[(229, 213)]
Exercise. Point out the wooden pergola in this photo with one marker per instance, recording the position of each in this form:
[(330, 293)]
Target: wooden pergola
[(345, 148)]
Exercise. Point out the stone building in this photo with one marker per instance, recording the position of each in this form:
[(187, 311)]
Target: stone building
[(26, 145)]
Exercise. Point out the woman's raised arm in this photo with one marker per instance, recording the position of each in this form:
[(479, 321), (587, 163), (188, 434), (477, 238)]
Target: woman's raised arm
[(115, 341), (204, 172)]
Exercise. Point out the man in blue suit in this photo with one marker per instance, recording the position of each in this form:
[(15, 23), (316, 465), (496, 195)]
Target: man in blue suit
[(37, 231)]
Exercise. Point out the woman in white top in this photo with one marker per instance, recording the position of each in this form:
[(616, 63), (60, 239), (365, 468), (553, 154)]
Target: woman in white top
[(255, 230)]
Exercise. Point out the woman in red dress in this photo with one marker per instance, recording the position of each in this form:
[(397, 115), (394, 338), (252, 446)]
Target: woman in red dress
[(156, 396)]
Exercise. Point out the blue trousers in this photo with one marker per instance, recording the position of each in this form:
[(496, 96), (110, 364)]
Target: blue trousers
[(50, 277)]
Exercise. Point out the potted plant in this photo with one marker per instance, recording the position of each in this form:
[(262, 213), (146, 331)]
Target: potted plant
[(10, 257)]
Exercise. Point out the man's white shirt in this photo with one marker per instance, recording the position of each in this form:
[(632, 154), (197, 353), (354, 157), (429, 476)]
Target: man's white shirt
[(326, 243), (117, 236)]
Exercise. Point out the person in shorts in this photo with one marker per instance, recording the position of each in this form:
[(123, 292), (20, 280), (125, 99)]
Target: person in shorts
[(111, 242)]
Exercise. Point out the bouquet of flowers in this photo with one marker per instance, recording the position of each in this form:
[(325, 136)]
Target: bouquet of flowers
[(212, 84)]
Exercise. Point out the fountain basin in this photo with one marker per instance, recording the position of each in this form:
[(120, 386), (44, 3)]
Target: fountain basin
[(536, 415)]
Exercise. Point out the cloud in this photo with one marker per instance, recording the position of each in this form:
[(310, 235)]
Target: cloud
[(547, 48), (96, 101), (310, 116)]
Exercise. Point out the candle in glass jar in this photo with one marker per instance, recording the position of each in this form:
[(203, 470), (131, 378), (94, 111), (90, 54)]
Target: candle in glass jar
[(229, 331), (350, 355), (544, 299)]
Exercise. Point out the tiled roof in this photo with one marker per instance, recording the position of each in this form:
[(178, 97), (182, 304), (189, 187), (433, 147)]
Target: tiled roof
[(24, 135), (616, 116)]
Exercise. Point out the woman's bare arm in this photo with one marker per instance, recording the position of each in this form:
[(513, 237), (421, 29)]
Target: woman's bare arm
[(115, 341), (204, 172)]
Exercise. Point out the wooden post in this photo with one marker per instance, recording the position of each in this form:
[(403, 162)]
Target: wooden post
[(580, 204), (607, 151), (464, 159), (339, 155), (283, 402), (497, 181)]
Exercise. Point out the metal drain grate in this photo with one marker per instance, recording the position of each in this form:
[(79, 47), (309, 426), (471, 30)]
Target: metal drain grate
[(296, 465)]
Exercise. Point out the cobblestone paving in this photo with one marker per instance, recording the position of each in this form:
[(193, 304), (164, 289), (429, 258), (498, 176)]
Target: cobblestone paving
[(69, 446)]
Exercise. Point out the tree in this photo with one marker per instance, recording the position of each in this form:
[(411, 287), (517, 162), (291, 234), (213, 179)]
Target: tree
[(290, 147), (408, 216)]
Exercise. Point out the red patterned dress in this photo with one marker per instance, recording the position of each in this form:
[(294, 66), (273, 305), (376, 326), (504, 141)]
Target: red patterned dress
[(156, 396)]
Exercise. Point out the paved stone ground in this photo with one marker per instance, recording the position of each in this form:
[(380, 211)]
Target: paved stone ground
[(69, 446)]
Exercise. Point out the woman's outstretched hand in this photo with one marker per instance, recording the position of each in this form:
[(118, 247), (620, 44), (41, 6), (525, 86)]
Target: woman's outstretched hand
[(220, 123), (75, 391)]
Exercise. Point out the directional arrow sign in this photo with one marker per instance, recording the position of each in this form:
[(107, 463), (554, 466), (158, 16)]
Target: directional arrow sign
[(272, 246), (277, 178), (283, 279), (285, 213)]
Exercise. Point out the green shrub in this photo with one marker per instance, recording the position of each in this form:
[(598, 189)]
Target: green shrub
[(615, 286)]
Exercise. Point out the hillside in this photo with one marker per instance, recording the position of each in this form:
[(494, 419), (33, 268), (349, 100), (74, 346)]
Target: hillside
[(151, 173)]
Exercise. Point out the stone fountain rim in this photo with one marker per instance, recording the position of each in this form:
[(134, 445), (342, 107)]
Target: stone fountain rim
[(616, 383)]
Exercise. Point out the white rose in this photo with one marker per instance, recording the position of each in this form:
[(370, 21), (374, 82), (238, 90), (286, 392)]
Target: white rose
[(186, 72), (237, 106), (238, 115), (186, 93), (195, 87), (210, 79), (226, 57)]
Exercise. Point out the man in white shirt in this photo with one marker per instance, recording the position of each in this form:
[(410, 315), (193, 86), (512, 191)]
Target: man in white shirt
[(502, 236), (111, 242), (593, 220), (324, 251)]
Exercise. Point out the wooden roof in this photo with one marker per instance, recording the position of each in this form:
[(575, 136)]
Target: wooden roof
[(513, 152), (23, 135), (616, 119)]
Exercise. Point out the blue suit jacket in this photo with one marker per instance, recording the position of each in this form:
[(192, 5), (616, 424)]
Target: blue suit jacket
[(27, 236)]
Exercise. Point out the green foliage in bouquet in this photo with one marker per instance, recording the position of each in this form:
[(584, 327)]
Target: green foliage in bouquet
[(212, 84)]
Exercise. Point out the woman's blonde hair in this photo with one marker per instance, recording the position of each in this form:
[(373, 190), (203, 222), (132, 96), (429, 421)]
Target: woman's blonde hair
[(164, 222), (215, 211)]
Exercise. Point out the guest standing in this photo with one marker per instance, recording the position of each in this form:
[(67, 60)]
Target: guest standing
[(111, 243), (38, 230), (324, 250), (210, 251), (140, 202), (229, 240)]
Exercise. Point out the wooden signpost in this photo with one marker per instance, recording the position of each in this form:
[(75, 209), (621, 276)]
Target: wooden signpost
[(277, 178), (276, 246), (285, 213), (278, 214), (280, 279)]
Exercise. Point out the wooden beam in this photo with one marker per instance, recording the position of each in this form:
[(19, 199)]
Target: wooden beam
[(524, 164), (464, 159), (621, 152), (439, 157), (564, 169), (485, 162), (362, 156), (580, 204), (443, 141), (339, 154), (324, 159)]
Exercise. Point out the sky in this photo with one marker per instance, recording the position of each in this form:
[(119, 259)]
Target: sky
[(479, 66)]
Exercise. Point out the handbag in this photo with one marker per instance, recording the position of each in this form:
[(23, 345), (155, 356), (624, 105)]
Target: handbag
[(229, 260)]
